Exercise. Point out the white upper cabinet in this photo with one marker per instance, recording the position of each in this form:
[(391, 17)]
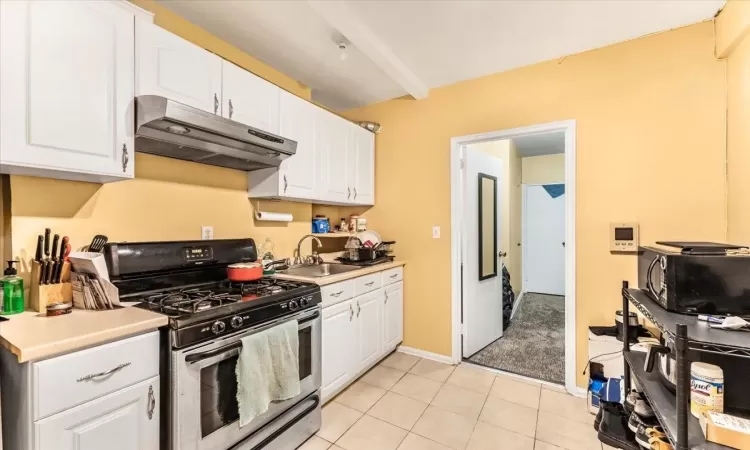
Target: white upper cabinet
[(363, 182), (67, 87), (298, 123), (333, 137), (172, 67), (249, 99)]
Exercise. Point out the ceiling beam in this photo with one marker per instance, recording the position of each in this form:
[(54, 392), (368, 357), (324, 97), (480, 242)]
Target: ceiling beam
[(345, 21)]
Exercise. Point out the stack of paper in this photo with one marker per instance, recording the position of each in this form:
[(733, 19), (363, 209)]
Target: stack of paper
[(91, 291)]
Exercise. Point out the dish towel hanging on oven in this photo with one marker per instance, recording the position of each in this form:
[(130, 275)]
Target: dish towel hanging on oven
[(267, 369)]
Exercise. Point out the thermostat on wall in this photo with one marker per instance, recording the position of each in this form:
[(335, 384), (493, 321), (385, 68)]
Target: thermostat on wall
[(623, 237)]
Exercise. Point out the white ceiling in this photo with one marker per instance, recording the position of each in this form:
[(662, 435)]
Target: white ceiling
[(420, 44), (540, 144)]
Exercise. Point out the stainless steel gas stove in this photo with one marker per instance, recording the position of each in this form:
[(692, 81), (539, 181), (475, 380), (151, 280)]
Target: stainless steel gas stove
[(208, 317)]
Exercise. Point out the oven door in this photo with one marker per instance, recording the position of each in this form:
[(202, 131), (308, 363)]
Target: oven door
[(204, 391)]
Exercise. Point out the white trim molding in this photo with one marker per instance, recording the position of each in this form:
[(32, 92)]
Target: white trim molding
[(457, 235), (425, 354)]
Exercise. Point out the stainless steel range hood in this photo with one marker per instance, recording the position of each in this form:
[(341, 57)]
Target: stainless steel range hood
[(168, 128)]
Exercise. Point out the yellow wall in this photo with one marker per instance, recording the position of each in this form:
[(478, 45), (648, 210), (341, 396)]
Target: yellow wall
[(543, 169), (633, 103), (174, 23), (510, 200), (733, 25)]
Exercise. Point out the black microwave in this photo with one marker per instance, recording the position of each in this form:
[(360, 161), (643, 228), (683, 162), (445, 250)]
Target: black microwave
[(696, 283)]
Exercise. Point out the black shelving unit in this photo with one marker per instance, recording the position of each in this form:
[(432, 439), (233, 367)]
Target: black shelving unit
[(688, 335)]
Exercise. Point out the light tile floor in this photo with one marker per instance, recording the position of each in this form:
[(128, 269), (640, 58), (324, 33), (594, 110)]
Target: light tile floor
[(408, 403)]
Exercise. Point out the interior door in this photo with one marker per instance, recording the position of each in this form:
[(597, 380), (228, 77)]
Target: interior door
[(544, 239), (67, 85), (127, 419), (298, 122), (369, 322), (482, 279), (249, 99), (339, 347), (174, 68)]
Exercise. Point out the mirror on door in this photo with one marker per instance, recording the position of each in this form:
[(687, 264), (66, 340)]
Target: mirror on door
[(487, 226)]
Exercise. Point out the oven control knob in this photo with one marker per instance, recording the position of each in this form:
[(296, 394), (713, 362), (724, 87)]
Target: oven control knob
[(236, 322), (305, 301), (293, 305), (218, 327)]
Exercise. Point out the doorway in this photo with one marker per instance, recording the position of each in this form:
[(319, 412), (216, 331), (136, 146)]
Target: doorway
[(475, 299)]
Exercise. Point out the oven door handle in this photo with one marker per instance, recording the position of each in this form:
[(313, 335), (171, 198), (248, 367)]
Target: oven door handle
[(195, 357), (316, 401)]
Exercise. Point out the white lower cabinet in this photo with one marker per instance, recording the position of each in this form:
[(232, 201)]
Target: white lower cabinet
[(339, 346), (360, 331), (369, 326), (124, 420), (393, 317)]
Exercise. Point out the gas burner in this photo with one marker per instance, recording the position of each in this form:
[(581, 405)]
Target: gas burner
[(190, 301)]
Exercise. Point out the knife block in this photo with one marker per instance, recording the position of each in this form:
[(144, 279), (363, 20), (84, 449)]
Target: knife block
[(42, 295)]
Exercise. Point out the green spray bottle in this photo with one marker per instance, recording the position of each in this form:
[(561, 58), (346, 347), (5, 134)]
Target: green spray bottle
[(12, 291)]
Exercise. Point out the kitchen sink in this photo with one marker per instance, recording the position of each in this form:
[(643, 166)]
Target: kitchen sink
[(319, 270)]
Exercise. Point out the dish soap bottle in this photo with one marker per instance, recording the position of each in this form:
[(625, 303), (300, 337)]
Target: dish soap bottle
[(267, 251), (12, 290)]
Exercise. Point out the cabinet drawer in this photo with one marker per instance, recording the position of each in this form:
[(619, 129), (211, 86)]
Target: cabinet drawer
[(367, 283), (394, 275), (337, 292), (63, 382)]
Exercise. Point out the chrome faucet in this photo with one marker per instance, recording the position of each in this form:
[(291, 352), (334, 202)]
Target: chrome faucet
[(314, 259)]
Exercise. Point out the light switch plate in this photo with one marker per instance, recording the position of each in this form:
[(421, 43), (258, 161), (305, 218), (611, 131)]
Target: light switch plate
[(436, 232), (207, 232)]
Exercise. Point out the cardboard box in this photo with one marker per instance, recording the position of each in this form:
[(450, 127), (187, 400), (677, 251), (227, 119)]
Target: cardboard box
[(726, 430)]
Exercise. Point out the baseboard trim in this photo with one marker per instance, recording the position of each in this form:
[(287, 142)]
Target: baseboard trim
[(425, 354)]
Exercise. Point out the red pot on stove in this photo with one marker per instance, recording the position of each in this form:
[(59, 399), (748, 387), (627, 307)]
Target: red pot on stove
[(240, 272)]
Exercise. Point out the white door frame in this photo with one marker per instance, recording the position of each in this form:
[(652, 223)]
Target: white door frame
[(524, 187), (457, 235)]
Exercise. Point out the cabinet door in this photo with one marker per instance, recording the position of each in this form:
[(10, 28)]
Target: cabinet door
[(369, 312), (127, 419), (339, 347), (351, 160), (172, 67), (364, 179), (67, 85), (298, 122), (332, 141), (249, 99), (393, 315)]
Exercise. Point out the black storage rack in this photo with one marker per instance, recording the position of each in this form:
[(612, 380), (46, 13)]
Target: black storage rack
[(688, 334)]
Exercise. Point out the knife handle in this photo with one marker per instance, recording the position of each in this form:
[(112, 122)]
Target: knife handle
[(50, 271), (43, 272), (63, 248), (56, 271), (55, 241), (39, 244), (47, 232)]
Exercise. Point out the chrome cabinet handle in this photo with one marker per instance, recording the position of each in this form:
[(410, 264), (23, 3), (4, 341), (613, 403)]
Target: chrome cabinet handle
[(216, 103), (348, 193), (351, 312), (355, 193), (394, 275), (286, 184), (231, 108), (386, 298), (336, 294), (103, 374), (151, 403), (125, 157), (359, 308), (370, 283)]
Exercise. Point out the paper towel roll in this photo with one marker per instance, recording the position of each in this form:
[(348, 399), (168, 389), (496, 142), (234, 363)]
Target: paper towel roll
[(273, 217)]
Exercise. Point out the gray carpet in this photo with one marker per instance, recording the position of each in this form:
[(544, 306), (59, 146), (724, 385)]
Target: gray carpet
[(534, 343)]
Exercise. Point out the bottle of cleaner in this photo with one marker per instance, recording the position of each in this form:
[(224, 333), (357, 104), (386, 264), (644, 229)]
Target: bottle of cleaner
[(12, 290), (267, 251)]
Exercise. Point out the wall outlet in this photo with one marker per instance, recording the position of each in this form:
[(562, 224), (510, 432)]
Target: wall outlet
[(207, 232), (436, 232)]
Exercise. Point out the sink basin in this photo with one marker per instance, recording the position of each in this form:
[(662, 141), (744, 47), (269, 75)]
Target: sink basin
[(318, 271)]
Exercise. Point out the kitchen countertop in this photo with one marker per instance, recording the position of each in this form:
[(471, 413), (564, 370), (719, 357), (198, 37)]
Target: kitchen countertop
[(31, 335), (322, 281)]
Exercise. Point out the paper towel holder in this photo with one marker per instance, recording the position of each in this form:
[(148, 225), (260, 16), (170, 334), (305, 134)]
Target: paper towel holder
[(270, 216)]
